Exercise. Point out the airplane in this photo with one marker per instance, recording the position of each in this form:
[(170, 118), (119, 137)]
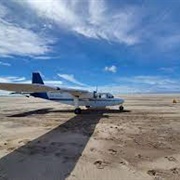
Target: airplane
[(74, 97)]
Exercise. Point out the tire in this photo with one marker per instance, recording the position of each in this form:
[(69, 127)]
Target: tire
[(121, 108), (77, 111)]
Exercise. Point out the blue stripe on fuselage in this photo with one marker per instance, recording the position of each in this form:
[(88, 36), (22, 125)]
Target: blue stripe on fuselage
[(42, 95), (65, 99)]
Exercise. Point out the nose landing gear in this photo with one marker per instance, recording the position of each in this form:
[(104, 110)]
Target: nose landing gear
[(76, 104), (121, 108), (77, 111)]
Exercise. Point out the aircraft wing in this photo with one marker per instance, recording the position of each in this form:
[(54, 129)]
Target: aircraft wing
[(34, 88), (73, 92), (25, 88)]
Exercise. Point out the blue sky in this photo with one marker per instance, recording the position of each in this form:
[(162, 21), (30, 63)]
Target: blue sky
[(117, 45)]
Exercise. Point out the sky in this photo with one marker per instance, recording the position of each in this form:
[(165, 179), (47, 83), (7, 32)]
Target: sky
[(121, 46)]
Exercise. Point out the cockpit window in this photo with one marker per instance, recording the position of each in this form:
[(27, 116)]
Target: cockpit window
[(103, 95), (110, 96)]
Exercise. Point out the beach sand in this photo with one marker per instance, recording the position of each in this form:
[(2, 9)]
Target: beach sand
[(44, 140)]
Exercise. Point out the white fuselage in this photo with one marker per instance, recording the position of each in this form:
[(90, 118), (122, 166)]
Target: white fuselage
[(66, 98)]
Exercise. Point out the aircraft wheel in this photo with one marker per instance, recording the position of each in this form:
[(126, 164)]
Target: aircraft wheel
[(77, 111), (121, 108)]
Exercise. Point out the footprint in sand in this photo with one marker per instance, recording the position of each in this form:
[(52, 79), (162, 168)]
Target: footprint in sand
[(152, 172), (171, 158), (112, 151), (101, 164), (24, 141), (11, 149), (175, 170)]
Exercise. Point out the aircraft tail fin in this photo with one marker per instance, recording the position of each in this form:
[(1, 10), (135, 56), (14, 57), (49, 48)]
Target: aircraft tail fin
[(36, 78)]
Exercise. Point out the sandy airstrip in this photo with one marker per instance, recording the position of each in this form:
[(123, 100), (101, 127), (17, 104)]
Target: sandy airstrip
[(42, 140)]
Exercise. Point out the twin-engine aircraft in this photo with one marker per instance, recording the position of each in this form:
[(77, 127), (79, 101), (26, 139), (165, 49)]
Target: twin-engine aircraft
[(74, 97)]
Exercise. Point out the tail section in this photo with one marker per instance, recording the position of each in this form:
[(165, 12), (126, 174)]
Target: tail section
[(36, 78)]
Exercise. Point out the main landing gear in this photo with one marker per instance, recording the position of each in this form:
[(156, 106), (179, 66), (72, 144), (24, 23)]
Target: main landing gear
[(121, 108), (77, 111)]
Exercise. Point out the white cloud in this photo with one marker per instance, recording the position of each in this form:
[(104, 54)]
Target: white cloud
[(43, 57), (127, 24), (16, 40), (71, 78), (3, 10), (112, 69), (91, 18), (46, 57), (167, 69), (152, 83), (4, 64), (150, 80), (96, 11), (8, 79)]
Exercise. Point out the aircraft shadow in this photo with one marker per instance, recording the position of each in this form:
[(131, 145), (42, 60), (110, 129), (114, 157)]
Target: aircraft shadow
[(50, 110), (52, 155)]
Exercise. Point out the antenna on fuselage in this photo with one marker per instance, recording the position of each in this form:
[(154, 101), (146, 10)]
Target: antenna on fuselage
[(95, 92), (96, 89)]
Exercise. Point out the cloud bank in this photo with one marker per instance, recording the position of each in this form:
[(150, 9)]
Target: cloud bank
[(92, 19), (16, 40), (4, 64), (71, 78)]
